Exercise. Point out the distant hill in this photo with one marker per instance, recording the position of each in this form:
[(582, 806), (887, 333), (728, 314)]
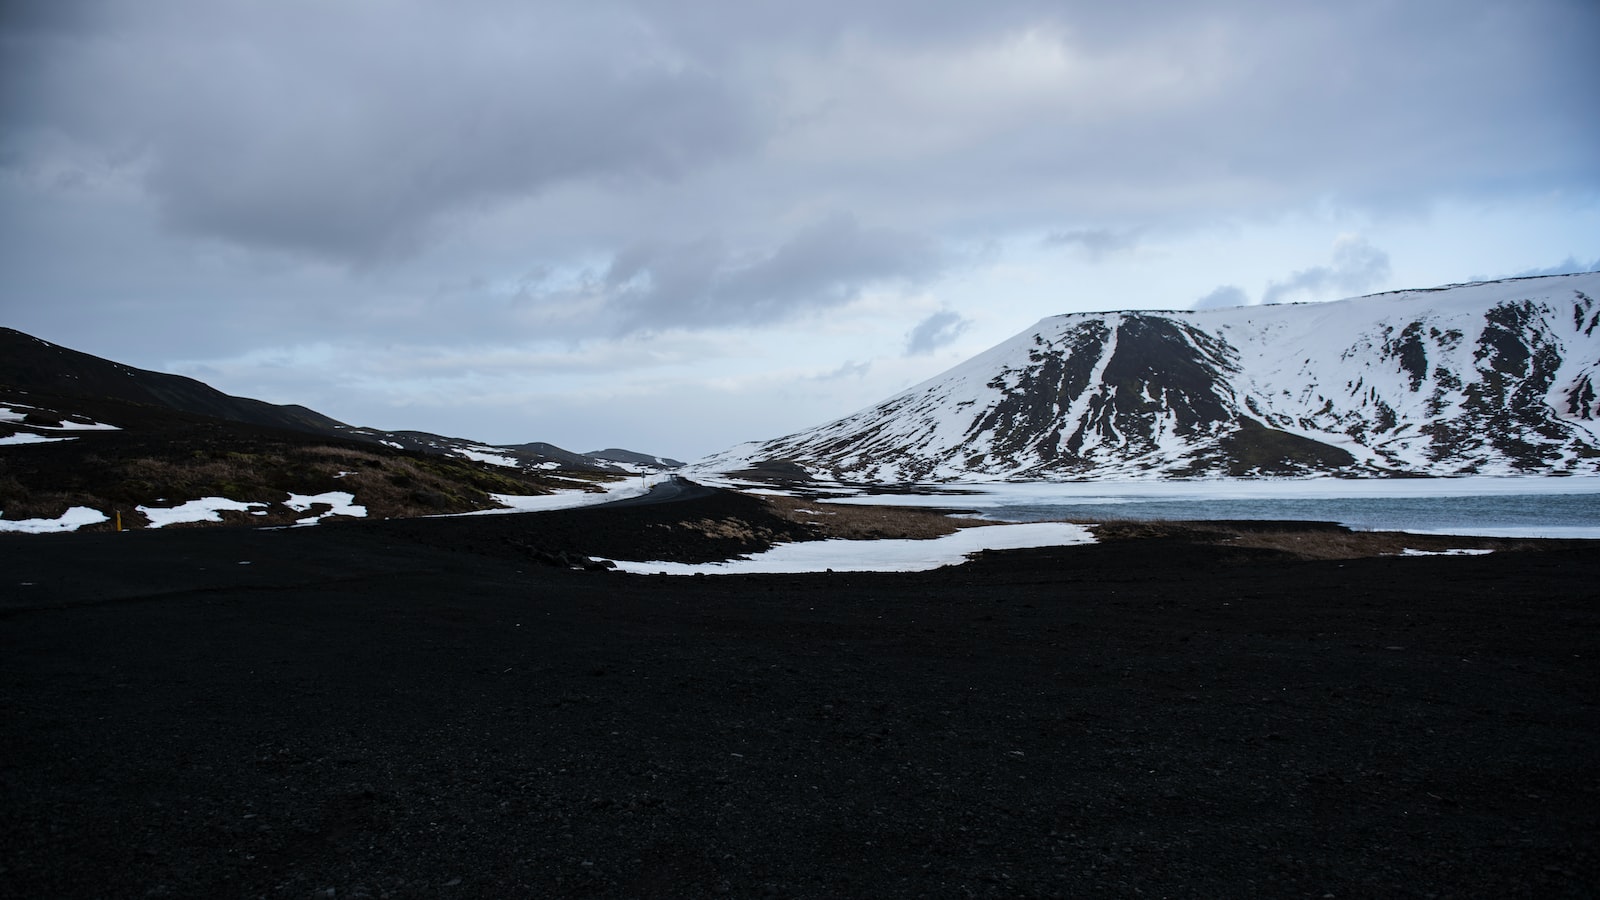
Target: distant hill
[(86, 442), (1496, 378), (33, 365), (645, 461)]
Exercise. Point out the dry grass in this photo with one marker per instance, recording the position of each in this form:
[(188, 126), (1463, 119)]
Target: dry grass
[(853, 522), (1297, 539), (387, 484), (1304, 540), (20, 504)]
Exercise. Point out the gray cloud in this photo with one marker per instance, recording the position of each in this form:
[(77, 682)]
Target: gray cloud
[(849, 369), (204, 180), (935, 331), (1096, 243), (1569, 266), (1223, 297), (1357, 266), (353, 133), (704, 282), (319, 129)]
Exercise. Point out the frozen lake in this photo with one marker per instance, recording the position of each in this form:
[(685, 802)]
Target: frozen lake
[(1495, 507)]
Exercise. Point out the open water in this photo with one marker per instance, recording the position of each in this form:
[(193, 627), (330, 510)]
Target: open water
[(1497, 515)]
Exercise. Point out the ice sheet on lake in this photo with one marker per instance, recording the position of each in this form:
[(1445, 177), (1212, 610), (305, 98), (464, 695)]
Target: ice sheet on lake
[(985, 495), (880, 555), (1489, 506)]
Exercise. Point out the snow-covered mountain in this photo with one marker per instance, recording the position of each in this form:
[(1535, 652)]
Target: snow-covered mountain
[(1492, 378)]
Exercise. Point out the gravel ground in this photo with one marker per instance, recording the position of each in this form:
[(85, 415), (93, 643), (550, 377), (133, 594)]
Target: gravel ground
[(426, 709)]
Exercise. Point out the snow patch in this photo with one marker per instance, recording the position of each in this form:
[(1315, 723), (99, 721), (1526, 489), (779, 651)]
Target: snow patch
[(205, 509), (487, 455), (23, 437), (71, 520), (11, 414), (342, 503), (571, 499), (880, 555)]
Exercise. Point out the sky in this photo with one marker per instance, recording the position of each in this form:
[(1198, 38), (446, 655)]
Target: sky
[(676, 225)]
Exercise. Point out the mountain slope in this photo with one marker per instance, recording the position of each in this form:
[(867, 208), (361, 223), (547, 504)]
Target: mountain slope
[(1491, 378), (35, 366), (30, 364)]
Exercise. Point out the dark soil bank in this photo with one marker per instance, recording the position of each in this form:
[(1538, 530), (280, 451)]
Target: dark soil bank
[(374, 710)]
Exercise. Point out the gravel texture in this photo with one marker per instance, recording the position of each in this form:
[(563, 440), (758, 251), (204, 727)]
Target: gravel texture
[(428, 709)]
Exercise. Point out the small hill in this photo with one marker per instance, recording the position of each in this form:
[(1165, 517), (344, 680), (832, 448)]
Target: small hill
[(145, 448), (140, 463), (30, 364)]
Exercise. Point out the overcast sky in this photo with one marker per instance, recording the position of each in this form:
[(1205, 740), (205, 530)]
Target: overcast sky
[(675, 226)]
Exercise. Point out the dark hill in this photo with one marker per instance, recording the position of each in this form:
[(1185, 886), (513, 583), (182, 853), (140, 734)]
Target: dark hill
[(80, 383)]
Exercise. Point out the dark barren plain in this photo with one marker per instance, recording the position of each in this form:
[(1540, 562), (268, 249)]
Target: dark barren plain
[(421, 708)]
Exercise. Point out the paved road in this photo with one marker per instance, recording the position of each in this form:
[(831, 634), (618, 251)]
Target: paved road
[(675, 489)]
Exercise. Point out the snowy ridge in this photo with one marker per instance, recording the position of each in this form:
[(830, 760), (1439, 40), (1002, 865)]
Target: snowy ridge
[(1494, 378)]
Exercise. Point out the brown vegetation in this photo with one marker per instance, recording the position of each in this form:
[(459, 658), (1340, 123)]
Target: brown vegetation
[(1302, 540), (388, 484), (1305, 540), (854, 522)]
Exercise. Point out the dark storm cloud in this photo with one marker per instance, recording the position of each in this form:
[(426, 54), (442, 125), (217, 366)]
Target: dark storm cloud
[(347, 132), (314, 183), (351, 131)]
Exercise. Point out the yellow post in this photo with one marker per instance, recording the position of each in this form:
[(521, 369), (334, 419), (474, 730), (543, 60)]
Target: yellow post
[(119, 520)]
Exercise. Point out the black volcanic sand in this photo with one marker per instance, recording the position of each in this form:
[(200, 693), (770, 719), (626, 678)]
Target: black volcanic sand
[(379, 709)]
